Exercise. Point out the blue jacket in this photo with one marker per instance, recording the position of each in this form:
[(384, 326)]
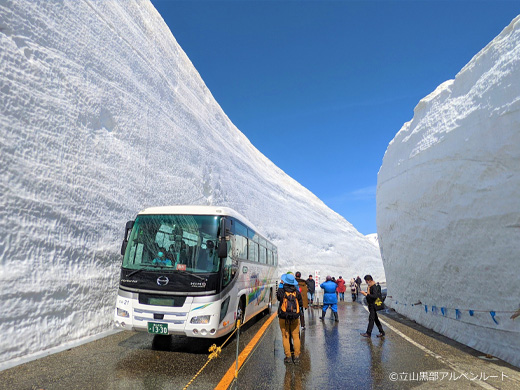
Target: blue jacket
[(329, 296)]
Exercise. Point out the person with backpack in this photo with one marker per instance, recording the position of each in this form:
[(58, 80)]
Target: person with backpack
[(329, 298), (374, 292), (290, 312)]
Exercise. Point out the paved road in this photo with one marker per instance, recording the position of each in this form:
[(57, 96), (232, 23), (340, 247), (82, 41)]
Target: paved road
[(130, 360), (334, 355)]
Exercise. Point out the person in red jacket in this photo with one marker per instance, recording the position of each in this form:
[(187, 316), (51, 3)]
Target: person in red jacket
[(341, 288)]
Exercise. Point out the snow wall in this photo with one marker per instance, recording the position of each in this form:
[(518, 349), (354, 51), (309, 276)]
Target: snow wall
[(102, 114), (448, 205)]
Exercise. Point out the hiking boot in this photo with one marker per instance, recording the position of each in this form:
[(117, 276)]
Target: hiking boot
[(381, 334), (296, 360), (287, 360), (366, 334)]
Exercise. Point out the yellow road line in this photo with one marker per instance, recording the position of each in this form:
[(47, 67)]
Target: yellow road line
[(230, 374)]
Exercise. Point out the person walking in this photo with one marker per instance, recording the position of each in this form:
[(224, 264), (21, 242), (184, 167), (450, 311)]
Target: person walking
[(303, 289), (341, 288), (358, 282), (329, 298), (374, 291), (311, 288), (353, 289), (290, 312)]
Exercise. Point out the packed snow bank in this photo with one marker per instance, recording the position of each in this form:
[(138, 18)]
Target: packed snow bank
[(102, 115), (448, 206), (373, 239)]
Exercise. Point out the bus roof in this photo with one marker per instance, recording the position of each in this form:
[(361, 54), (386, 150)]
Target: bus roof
[(197, 210)]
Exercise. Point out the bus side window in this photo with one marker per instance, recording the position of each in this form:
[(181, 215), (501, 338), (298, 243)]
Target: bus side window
[(253, 251), (263, 255), (241, 247)]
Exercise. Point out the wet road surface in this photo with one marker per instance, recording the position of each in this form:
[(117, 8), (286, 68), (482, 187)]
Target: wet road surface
[(131, 360), (334, 356)]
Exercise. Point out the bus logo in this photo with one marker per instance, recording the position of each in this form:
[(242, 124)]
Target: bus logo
[(162, 280)]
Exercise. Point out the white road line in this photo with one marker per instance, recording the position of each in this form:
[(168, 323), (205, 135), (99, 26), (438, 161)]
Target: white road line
[(435, 355)]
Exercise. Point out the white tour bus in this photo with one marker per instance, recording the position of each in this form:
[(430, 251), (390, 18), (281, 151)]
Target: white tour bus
[(189, 270)]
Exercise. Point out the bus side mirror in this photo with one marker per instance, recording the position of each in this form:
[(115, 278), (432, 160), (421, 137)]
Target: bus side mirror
[(225, 231), (128, 229), (123, 247), (225, 227), (222, 248)]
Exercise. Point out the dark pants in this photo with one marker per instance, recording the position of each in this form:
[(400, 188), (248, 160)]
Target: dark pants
[(372, 318)]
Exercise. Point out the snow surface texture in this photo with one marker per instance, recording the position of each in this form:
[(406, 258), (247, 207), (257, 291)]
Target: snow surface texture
[(448, 205), (102, 115), (373, 239)]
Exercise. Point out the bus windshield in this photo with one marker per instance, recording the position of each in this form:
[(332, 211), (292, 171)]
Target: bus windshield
[(185, 243)]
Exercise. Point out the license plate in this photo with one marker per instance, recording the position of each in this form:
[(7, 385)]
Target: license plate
[(154, 327)]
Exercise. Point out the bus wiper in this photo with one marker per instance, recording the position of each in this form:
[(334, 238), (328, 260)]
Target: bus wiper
[(141, 269), (134, 272)]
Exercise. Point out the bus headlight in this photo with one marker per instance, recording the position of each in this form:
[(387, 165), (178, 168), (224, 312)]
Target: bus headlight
[(122, 313), (200, 320)]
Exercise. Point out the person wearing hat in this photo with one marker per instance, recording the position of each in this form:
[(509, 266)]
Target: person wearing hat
[(280, 285), (329, 298), (281, 282), (290, 327)]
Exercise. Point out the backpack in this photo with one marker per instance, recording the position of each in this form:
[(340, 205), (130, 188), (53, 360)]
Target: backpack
[(290, 308), (378, 303)]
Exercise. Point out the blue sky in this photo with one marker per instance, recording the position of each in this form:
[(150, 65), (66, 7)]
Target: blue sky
[(322, 87)]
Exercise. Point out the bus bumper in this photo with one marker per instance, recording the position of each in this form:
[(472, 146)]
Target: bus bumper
[(191, 320)]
